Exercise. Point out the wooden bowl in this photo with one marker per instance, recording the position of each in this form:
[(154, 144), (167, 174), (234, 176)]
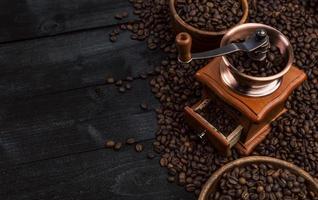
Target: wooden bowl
[(202, 40), (211, 184)]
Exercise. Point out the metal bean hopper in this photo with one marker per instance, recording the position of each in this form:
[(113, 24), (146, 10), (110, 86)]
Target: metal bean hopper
[(252, 102)]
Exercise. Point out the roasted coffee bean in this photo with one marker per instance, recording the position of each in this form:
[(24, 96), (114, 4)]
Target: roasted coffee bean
[(163, 162), (190, 187), (127, 86), (182, 178), (143, 76), (119, 83), (118, 146), (271, 65), (152, 46), (129, 78), (109, 144), (130, 141), (210, 15), (113, 38), (124, 14), (121, 15), (144, 106), (139, 147), (118, 16), (171, 179), (261, 189), (121, 89), (110, 80)]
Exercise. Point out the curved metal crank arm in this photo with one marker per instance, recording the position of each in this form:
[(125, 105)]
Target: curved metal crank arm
[(259, 43), (247, 46)]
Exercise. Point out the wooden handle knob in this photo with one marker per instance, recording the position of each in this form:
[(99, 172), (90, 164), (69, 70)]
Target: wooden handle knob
[(184, 43)]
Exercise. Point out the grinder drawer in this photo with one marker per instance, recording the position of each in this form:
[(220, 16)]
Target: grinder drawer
[(205, 118)]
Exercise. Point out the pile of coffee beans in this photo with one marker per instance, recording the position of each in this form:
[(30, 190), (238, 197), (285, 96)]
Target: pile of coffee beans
[(271, 65), (210, 15), (215, 114), (262, 181), (294, 136)]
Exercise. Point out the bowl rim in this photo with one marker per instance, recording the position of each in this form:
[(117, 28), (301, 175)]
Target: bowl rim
[(254, 159), (289, 47), (176, 16)]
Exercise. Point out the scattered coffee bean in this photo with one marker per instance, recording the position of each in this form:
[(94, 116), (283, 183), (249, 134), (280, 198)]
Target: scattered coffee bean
[(128, 86), (182, 178), (119, 83), (143, 76), (163, 162), (123, 27), (210, 15), (171, 179), (118, 146), (118, 16), (130, 141), (124, 14), (139, 147), (121, 15), (144, 106), (113, 38), (129, 78), (152, 46), (121, 89), (110, 80), (190, 187), (109, 144)]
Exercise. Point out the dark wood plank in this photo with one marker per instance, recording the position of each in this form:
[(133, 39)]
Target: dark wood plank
[(103, 174), (70, 61), (74, 121), (30, 19)]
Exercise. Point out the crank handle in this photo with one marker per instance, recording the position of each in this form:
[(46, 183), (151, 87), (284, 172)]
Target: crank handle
[(184, 43)]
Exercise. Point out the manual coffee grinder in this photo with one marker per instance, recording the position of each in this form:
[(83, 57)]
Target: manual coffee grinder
[(251, 102)]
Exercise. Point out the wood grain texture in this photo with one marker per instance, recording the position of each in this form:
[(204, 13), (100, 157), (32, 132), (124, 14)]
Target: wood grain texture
[(53, 123), (102, 174), (30, 19), (70, 61), (74, 121)]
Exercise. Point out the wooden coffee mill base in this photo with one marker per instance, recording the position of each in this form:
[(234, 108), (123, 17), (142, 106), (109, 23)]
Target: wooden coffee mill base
[(252, 114)]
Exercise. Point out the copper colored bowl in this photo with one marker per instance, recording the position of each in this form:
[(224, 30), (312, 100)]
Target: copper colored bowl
[(212, 183), (250, 85), (202, 40)]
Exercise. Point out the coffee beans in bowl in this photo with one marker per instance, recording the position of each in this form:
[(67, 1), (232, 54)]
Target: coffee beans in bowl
[(261, 181), (273, 63), (210, 15), (260, 177)]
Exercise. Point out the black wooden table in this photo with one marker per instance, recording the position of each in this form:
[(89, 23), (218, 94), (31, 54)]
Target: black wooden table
[(53, 125)]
